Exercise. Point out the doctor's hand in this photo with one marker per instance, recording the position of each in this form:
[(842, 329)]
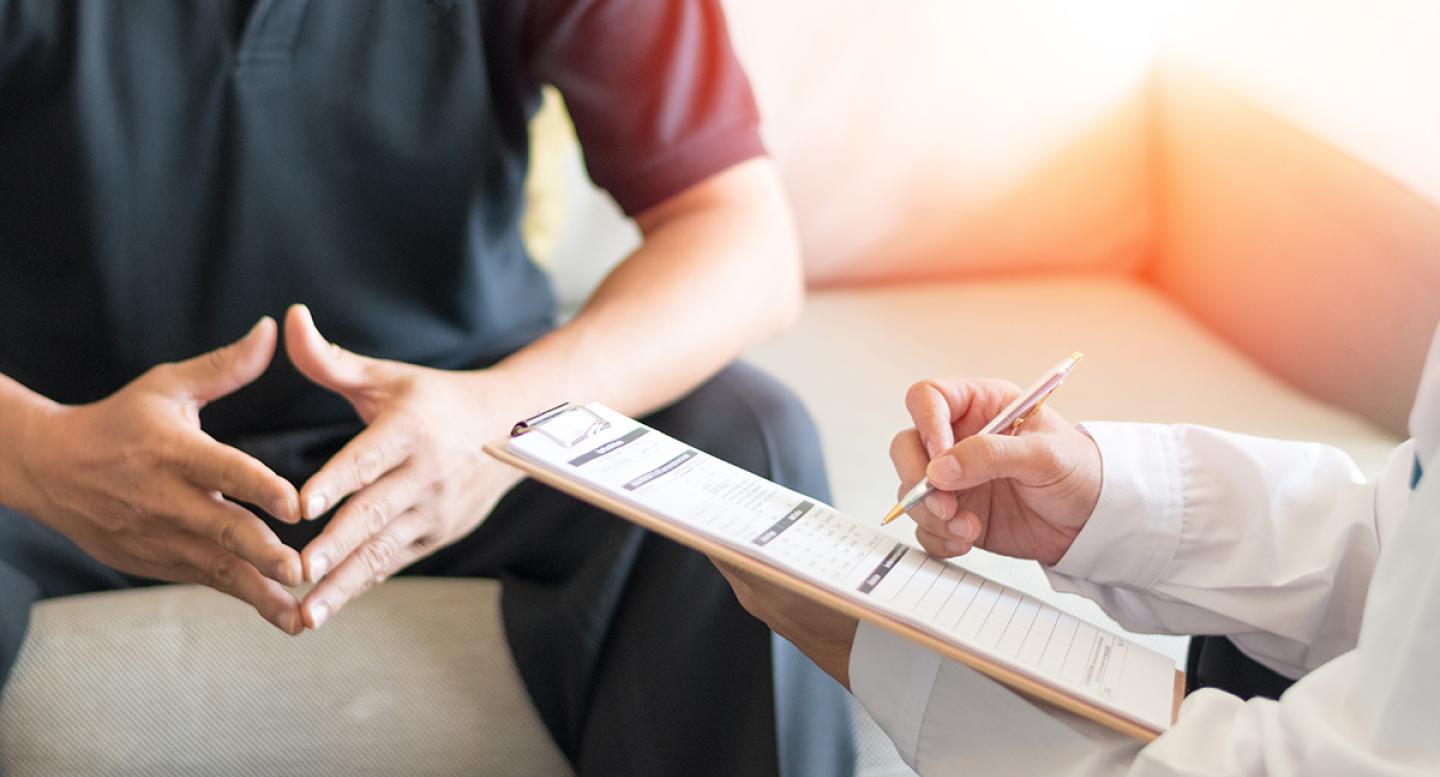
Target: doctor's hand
[(1025, 495), (821, 633), (135, 483), (414, 481)]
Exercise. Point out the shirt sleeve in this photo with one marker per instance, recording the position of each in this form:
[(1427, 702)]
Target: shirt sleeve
[(1199, 531), (658, 98), (1368, 711)]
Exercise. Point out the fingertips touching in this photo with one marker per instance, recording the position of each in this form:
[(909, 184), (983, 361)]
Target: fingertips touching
[(364, 460), (373, 562), (365, 516), (213, 566), (239, 532)]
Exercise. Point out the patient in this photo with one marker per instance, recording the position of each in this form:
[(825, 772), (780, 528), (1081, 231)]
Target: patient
[(1317, 587), (173, 172)]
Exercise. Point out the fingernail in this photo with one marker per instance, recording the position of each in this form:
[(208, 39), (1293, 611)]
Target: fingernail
[(289, 622), (315, 506), (960, 528), (319, 611), (945, 468), (936, 507), (319, 565), (954, 546)]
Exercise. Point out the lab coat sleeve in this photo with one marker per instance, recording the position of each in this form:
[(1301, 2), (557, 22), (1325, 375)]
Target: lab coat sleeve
[(1199, 531), (1367, 711)]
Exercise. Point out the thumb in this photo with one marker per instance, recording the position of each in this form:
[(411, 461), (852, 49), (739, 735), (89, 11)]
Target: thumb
[(1030, 459), (322, 362), (225, 370)]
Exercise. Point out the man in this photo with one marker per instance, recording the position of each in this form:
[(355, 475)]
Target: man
[(170, 172), (1317, 587)]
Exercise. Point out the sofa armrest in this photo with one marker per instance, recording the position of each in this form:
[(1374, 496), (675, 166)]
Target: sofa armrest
[(1321, 267)]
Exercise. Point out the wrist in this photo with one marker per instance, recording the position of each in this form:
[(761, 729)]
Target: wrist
[(28, 419), (1135, 526), (512, 391)]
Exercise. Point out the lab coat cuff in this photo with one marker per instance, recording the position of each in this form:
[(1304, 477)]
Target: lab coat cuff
[(892, 678), (1134, 530)]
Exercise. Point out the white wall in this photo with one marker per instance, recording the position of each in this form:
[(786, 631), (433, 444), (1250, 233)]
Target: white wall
[(1363, 75)]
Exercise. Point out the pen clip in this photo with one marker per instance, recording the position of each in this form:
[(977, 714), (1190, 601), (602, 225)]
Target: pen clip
[(1020, 421)]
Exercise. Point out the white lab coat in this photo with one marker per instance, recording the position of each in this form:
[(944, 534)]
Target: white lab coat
[(1308, 566)]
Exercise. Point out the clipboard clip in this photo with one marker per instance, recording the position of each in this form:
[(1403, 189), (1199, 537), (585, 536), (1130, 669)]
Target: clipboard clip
[(565, 424)]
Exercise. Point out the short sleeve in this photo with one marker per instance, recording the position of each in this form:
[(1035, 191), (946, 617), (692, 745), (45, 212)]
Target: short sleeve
[(658, 98)]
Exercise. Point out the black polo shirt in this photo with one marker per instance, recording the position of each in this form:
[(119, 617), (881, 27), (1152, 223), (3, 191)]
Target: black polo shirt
[(171, 170)]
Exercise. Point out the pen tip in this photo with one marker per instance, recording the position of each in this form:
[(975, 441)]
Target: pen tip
[(895, 512), (1076, 355)]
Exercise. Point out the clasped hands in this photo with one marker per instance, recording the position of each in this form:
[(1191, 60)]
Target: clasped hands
[(1025, 496), (135, 482)]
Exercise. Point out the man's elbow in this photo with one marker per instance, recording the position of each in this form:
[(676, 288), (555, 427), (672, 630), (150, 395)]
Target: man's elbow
[(791, 302), (782, 270)]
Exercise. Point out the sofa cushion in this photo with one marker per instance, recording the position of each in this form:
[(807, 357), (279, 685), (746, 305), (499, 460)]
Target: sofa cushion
[(414, 678), (856, 351)]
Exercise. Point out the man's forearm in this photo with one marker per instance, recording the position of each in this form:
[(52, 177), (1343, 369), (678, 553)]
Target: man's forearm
[(19, 410), (718, 272)]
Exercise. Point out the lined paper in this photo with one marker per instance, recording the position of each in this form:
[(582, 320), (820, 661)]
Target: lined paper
[(706, 495)]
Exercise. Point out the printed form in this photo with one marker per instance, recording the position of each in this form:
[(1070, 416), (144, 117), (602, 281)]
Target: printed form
[(671, 480)]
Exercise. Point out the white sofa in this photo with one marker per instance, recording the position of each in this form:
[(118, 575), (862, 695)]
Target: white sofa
[(1231, 208)]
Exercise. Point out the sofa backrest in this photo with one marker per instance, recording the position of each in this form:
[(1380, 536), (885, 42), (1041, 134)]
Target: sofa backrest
[(944, 137)]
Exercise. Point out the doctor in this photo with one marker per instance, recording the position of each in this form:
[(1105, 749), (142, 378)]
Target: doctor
[(1322, 585)]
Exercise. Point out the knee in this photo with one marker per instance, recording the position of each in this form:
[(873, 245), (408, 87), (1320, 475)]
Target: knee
[(750, 419)]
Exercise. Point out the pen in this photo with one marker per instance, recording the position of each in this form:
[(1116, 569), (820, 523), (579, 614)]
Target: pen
[(1009, 421)]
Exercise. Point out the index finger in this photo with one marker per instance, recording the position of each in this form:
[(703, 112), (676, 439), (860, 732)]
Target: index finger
[(910, 460), (947, 409), (933, 408), (240, 476)]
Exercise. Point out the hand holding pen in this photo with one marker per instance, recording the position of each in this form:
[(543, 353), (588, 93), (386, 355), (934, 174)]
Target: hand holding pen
[(988, 465)]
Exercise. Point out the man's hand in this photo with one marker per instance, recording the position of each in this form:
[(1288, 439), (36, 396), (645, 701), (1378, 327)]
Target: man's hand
[(1026, 495), (134, 482), (413, 482), (818, 631)]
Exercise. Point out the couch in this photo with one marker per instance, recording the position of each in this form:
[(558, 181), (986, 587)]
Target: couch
[(1232, 208)]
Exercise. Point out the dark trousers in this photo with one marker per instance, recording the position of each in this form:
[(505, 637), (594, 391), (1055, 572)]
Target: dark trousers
[(634, 650), (1215, 662)]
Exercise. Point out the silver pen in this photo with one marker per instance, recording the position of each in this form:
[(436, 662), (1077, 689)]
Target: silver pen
[(1008, 421)]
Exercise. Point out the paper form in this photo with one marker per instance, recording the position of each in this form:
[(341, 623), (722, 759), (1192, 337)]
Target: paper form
[(668, 478)]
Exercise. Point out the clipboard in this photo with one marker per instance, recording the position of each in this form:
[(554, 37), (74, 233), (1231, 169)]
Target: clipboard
[(570, 424)]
